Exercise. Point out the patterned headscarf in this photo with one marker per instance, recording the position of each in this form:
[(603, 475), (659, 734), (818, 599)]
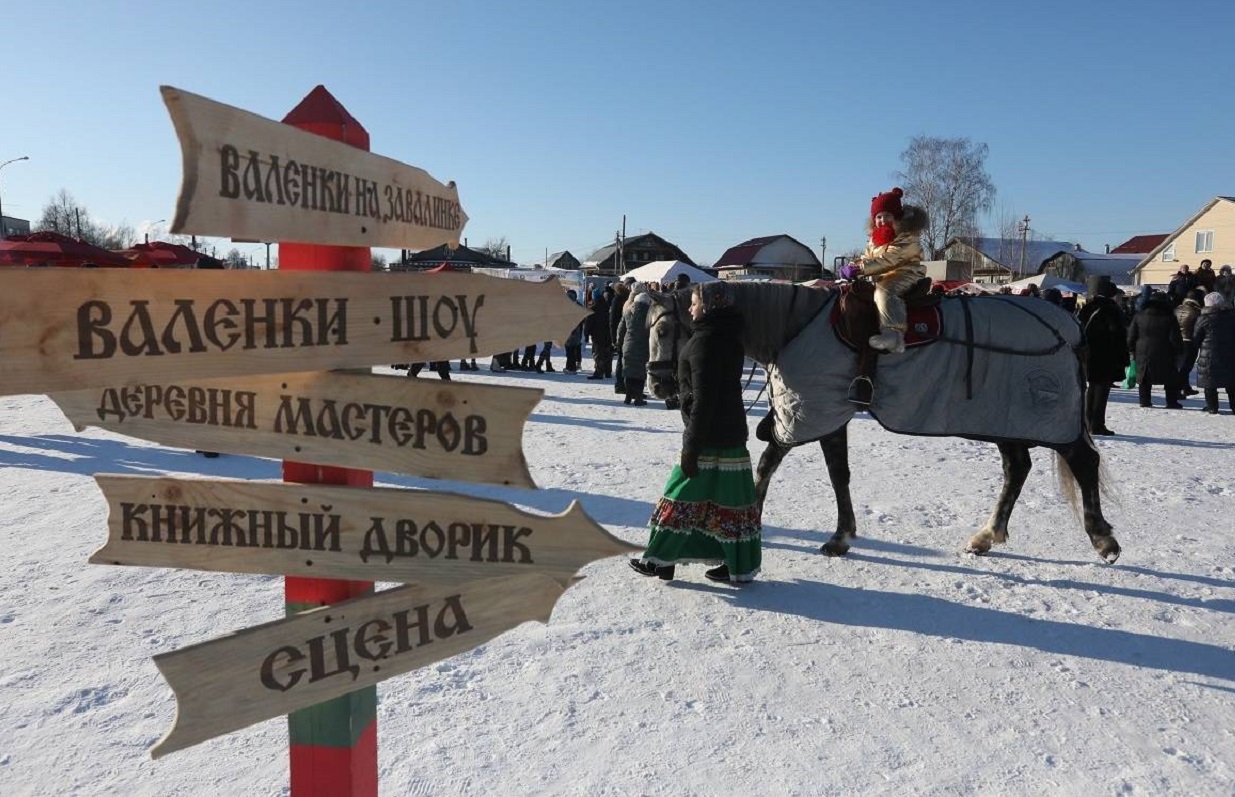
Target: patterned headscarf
[(714, 294)]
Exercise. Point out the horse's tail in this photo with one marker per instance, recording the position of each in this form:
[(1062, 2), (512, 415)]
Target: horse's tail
[(1068, 483)]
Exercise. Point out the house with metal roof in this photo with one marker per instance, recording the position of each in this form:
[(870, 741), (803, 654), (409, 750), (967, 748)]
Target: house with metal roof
[(1078, 266), (634, 251), (459, 258), (999, 260), (1209, 234), (563, 260), (770, 257)]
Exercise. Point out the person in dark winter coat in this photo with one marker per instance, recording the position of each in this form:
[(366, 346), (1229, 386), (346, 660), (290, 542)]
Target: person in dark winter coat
[(1146, 292), (708, 512), (621, 292), (1225, 284), (1154, 337), (633, 344), (1106, 350), (598, 330), (1182, 281), (1205, 277), (1186, 314), (1215, 339), (574, 342)]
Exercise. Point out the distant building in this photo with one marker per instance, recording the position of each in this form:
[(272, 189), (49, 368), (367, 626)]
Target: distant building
[(564, 260), (996, 260), (771, 257), (1078, 266), (1140, 244), (461, 258), (11, 226), (1208, 234), (637, 250)]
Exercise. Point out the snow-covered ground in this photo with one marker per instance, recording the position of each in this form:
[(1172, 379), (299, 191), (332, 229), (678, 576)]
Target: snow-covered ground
[(908, 667)]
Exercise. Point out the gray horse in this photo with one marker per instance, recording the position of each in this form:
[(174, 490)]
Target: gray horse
[(1002, 369)]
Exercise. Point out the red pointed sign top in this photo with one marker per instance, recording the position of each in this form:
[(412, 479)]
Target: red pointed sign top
[(320, 112)]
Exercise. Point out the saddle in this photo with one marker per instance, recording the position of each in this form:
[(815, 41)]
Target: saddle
[(855, 318)]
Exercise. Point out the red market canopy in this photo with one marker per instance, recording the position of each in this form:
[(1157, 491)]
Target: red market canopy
[(161, 254), (53, 249)]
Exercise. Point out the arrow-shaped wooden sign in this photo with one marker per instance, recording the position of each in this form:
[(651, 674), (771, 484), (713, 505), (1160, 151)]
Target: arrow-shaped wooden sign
[(279, 667), (70, 329), (250, 177), (362, 534), (442, 430)]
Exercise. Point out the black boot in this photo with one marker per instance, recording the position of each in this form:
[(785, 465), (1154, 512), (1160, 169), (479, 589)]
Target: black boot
[(720, 574), (663, 572)]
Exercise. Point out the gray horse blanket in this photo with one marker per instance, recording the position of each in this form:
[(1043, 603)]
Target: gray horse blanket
[(1004, 367)]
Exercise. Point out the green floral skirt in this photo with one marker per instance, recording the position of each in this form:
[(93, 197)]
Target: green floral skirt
[(711, 518)]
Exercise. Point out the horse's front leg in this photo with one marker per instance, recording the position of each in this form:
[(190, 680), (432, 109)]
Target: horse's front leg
[(1016, 467), (836, 454), (768, 463)]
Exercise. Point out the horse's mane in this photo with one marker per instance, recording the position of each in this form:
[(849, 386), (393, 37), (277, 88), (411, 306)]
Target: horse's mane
[(773, 313)]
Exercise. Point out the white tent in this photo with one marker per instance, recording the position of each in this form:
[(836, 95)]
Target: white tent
[(668, 271)]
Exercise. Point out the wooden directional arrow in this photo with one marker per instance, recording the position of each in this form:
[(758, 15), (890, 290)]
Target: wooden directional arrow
[(363, 534), (273, 669), (70, 329), (250, 177), (423, 427)]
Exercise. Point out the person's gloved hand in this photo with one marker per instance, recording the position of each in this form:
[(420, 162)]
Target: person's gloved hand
[(883, 235), (690, 463)]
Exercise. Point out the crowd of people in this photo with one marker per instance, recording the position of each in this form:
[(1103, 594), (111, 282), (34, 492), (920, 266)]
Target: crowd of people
[(1158, 338), (615, 312)]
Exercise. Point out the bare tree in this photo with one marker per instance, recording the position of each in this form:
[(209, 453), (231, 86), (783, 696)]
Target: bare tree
[(947, 177), (67, 216), (235, 258), (377, 262), (495, 248)]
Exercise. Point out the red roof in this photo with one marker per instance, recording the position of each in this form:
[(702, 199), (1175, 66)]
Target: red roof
[(743, 253), (1140, 244)]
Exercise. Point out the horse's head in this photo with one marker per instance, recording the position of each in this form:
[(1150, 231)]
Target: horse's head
[(668, 323)]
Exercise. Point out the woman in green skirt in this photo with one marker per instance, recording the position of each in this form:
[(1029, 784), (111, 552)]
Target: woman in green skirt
[(708, 513)]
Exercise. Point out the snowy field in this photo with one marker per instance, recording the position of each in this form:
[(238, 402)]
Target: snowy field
[(908, 667)]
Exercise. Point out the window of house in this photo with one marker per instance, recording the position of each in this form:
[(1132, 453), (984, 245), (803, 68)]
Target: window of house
[(1204, 241), (1168, 254)]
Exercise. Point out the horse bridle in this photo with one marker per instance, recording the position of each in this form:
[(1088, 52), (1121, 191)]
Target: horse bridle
[(667, 370)]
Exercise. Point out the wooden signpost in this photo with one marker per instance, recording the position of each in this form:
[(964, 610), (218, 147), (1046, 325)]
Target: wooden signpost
[(375, 534), (442, 430), (250, 177), (69, 330), (272, 669), (238, 362)]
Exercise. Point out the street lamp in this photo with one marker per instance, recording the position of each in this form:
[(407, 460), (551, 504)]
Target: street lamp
[(160, 221), (3, 229)]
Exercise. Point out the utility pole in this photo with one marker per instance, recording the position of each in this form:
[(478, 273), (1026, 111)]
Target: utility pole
[(1024, 236), (823, 252), (622, 243)]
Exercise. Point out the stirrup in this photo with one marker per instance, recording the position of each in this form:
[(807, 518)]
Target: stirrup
[(861, 390)]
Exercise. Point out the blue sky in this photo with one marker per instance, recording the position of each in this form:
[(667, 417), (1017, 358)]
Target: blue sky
[(708, 123)]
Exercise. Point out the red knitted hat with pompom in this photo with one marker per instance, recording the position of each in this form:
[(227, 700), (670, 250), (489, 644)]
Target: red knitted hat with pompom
[(888, 203)]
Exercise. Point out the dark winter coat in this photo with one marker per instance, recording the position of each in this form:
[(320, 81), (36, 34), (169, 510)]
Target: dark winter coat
[(1106, 340), (615, 313), (1205, 278), (1225, 285), (1154, 337), (1215, 338), (1186, 314), (710, 382), (598, 324), (633, 333)]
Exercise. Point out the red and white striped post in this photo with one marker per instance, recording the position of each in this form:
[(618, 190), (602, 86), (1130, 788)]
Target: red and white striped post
[(333, 745)]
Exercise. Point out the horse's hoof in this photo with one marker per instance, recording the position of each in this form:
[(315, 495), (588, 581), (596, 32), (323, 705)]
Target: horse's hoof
[(978, 546), (834, 548), (1107, 548)]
